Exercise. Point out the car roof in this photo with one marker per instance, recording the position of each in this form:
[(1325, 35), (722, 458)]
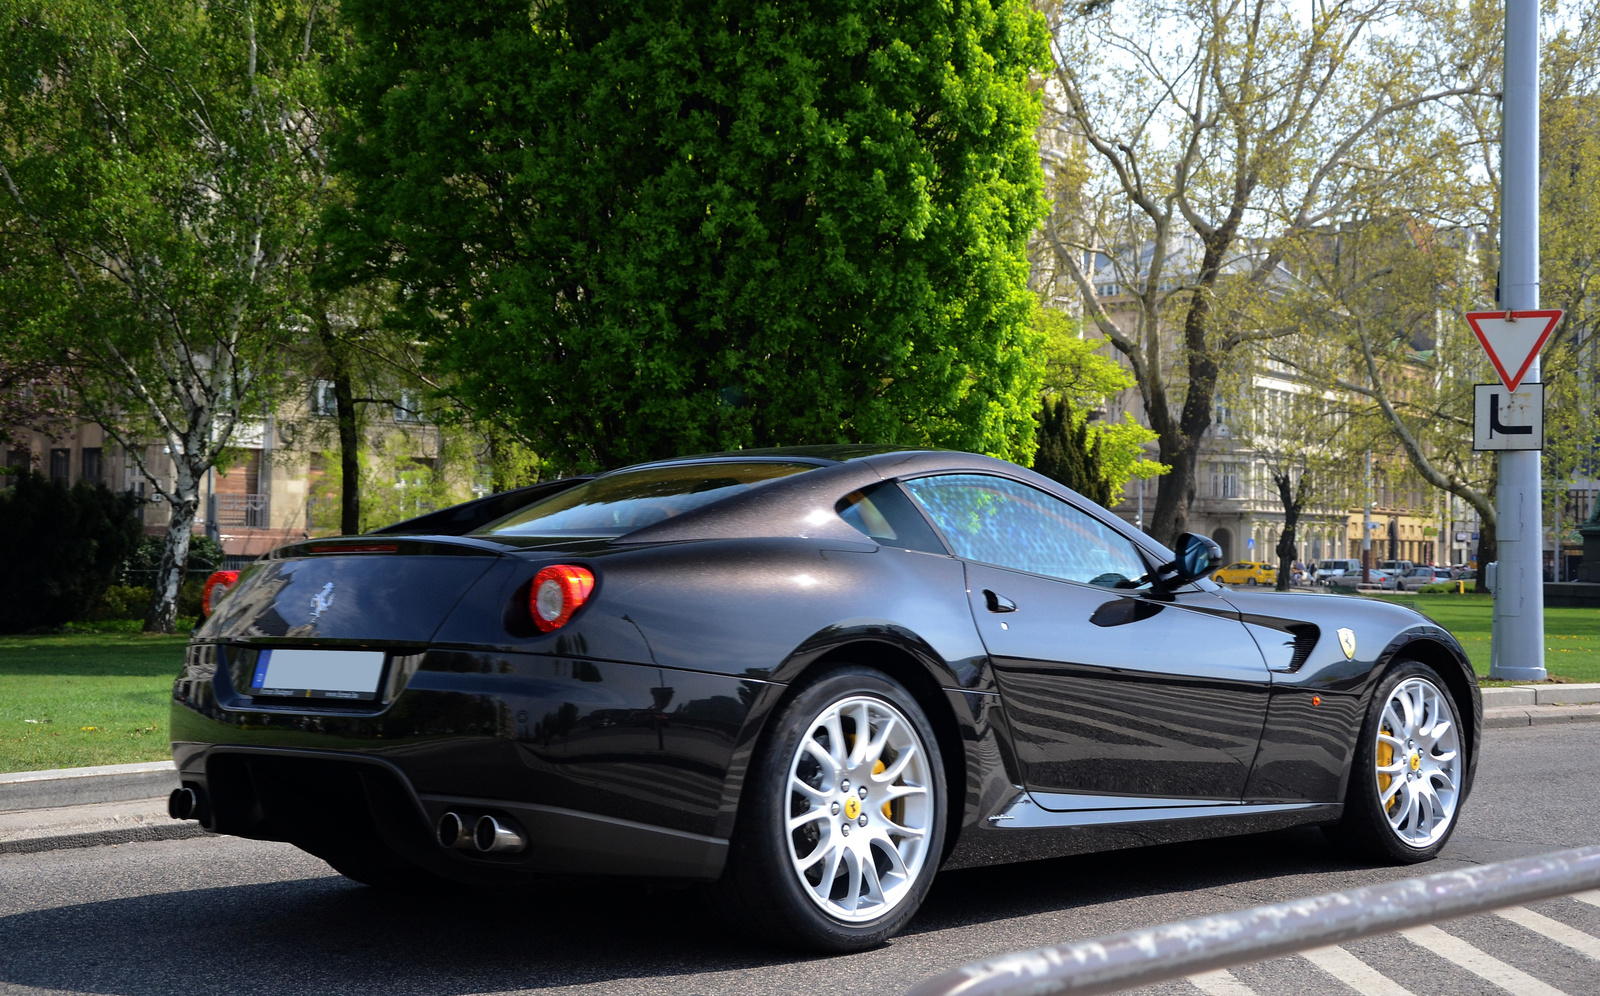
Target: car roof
[(787, 506), (821, 453)]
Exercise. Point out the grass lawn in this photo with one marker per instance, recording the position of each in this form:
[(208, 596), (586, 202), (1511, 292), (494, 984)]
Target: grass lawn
[(88, 698), (1571, 636)]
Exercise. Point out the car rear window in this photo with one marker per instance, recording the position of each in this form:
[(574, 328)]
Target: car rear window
[(632, 499)]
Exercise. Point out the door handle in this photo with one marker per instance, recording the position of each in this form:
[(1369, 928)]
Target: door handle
[(998, 602)]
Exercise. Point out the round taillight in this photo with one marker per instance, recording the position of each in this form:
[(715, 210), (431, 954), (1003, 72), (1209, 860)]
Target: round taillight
[(557, 593), (217, 585)]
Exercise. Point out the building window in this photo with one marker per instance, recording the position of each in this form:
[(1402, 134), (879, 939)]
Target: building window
[(61, 466), (1224, 481), (93, 466), (408, 407), (17, 461), (323, 401)]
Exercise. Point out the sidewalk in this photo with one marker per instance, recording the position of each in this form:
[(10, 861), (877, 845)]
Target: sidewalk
[(27, 831), (1538, 705), (88, 807)]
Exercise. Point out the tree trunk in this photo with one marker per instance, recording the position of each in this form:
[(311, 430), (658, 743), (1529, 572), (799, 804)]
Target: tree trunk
[(1174, 490), (1291, 521), (163, 613), (349, 452), (1487, 551)]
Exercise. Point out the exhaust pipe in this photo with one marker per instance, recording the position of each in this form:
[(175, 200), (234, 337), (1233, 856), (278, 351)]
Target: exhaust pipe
[(454, 832), (182, 803), (494, 837)]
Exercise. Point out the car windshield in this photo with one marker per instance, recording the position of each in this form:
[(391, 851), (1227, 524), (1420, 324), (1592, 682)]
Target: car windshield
[(627, 500)]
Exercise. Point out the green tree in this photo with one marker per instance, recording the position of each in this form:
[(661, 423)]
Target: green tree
[(1067, 455), (160, 179), (63, 547), (1220, 136), (1094, 457), (635, 229)]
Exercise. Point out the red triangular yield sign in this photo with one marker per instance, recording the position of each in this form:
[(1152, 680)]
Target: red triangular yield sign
[(1512, 339)]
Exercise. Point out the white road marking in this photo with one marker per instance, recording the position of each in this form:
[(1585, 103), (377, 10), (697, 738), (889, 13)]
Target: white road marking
[(1557, 931), (1592, 897), (1485, 966), (1220, 983), (1354, 972)]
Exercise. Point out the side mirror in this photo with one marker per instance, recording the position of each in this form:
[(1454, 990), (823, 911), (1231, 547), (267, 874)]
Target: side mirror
[(1197, 556)]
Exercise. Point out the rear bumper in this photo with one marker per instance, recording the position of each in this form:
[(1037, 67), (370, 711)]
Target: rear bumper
[(603, 767), (330, 803)]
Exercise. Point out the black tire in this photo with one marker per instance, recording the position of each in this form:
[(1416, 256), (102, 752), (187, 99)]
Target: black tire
[(1250, 581), (760, 891), (1365, 829)]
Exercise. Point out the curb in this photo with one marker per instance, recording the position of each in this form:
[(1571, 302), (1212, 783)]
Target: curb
[(84, 786), (1506, 717), (101, 838), (1528, 695)]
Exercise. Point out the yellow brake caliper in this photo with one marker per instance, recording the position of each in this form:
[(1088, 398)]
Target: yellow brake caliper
[(1386, 758), (877, 769)]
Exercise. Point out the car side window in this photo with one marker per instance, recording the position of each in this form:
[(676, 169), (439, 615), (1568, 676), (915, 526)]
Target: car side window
[(885, 514), (1001, 522)]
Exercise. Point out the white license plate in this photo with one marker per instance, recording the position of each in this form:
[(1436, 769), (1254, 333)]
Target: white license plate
[(325, 674)]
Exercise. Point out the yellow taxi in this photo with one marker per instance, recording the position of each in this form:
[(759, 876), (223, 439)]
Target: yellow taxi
[(1247, 572)]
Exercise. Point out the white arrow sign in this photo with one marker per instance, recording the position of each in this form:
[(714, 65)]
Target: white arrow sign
[(1512, 339)]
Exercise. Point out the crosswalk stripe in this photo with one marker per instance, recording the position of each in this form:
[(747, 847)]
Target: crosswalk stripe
[(1354, 972), (1220, 983), (1485, 966), (1592, 897), (1557, 931)]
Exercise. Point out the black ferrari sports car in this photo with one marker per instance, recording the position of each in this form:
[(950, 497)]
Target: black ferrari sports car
[(808, 677)]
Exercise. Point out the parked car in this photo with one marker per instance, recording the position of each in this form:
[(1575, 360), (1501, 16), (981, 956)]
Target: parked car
[(1329, 569), (806, 677), (1353, 579), (1248, 572), (1394, 568), (1417, 578)]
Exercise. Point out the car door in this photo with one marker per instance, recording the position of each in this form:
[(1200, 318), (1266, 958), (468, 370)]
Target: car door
[(1119, 692)]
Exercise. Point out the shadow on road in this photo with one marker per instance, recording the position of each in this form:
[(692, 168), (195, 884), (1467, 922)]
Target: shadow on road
[(328, 935)]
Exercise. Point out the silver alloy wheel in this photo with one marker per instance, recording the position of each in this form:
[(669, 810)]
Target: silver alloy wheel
[(860, 808), (1418, 762)]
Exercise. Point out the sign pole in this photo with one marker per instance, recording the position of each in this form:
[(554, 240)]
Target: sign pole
[(1517, 652)]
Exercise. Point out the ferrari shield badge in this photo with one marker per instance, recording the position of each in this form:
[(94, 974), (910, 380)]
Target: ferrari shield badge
[(1347, 643)]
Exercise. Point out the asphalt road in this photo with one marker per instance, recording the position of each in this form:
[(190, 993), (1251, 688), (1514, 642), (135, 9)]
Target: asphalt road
[(221, 915)]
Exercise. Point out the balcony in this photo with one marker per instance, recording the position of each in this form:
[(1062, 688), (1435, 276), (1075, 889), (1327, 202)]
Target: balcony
[(236, 511)]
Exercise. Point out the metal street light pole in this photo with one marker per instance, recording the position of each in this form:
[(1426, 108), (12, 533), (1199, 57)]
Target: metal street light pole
[(1517, 648)]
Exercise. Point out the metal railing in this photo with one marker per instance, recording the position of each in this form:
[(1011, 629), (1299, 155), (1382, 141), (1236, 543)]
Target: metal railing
[(1174, 950), (242, 511)]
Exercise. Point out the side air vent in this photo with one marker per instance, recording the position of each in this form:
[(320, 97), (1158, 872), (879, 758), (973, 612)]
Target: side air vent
[(1305, 640)]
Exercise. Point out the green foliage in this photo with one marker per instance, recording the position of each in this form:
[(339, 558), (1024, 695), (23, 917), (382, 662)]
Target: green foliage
[(123, 601), (161, 178), (62, 546), (634, 229), (1076, 368), (1067, 455), (396, 486), (205, 555), (1078, 373)]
